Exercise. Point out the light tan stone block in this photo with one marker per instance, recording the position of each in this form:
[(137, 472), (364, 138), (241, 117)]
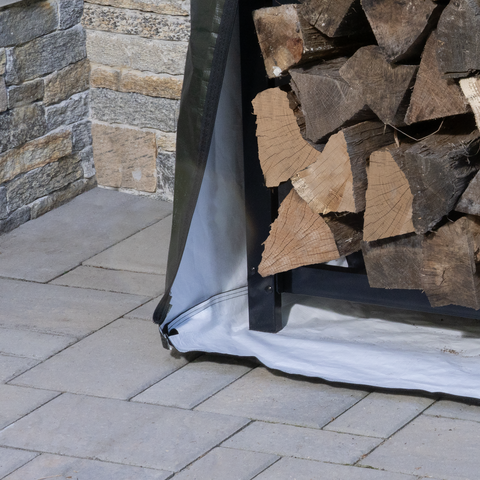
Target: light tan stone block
[(133, 22), (67, 82), (134, 81), (34, 154), (166, 141), (124, 157), (166, 7)]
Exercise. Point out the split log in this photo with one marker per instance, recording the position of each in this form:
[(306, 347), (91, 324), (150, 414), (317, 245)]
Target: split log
[(385, 88), (297, 237), (401, 27), (434, 96), (438, 170), (450, 257), (470, 200), (281, 147), (335, 18), (287, 39), (337, 181), (459, 35), (327, 101), (471, 89), (301, 237), (389, 199), (394, 262)]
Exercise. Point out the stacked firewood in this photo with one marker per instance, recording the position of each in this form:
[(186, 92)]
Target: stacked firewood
[(375, 127)]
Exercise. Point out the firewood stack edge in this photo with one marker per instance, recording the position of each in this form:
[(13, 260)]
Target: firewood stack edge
[(375, 125)]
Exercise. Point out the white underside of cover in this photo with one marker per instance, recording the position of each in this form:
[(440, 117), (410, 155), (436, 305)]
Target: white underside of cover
[(343, 342)]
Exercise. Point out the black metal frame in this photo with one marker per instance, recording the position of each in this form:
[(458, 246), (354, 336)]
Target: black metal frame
[(264, 294)]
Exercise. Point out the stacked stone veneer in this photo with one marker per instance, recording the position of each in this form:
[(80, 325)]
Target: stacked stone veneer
[(137, 52), (45, 134)]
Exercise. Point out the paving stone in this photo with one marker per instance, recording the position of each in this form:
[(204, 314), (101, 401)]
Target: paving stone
[(55, 243), (34, 154), (42, 181), (70, 13), (10, 366), (73, 110), (134, 109), (145, 284), (308, 443), (441, 447), (118, 361), (26, 93), (25, 343), (135, 22), (121, 432), (146, 251), (125, 157), (60, 310), (81, 135), (167, 7), (11, 459), (45, 204), (20, 125), (294, 469), (67, 82), (223, 463), (379, 414), (166, 174), (127, 80), (15, 402), (277, 397), (45, 54), (146, 54), (145, 312), (450, 409), (195, 382), (27, 21), (64, 468)]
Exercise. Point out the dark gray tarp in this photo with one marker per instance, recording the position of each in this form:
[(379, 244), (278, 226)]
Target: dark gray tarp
[(205, 307)]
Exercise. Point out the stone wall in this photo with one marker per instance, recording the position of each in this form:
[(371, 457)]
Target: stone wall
[(137, 52), (45, 136)]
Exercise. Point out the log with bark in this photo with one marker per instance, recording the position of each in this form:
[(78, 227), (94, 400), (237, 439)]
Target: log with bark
[(450, 258), (401, 27), (394, 262), (287, 39), (282, 149), (327, 101), (337, 181), (385, 88)]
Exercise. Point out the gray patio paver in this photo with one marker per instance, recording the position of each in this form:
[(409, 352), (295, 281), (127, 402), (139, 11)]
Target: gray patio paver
[(11, 459), (429, 446), (195, 382), (226, 463), (146, 284), (447, 408), (10, 366), (145, 312), (44, 248), (118, 361), (276, 397), (308, 443), (15, 402), (116, 431), (379, 414), (144, 252), (26, 343), (62, 310), (56, 467), (297, 469)]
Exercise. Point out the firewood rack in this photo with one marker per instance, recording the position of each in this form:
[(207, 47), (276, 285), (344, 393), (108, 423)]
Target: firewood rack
[(348, 284)]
